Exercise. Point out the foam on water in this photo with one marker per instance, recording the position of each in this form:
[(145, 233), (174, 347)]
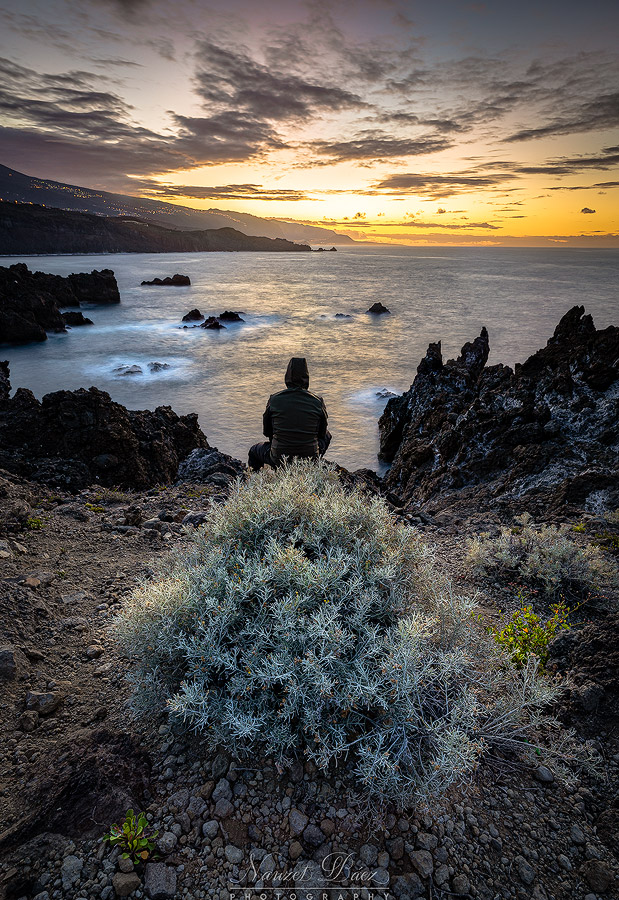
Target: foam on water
[(226, 376)]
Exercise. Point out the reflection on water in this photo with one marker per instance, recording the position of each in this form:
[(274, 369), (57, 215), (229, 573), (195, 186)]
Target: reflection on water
[(290, 303)]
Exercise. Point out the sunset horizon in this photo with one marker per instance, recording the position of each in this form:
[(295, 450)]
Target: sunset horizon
[(460, 124)]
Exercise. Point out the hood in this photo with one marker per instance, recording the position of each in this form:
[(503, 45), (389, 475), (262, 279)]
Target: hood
[(297, 374)]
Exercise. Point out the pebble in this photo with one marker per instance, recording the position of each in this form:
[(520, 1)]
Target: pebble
[(297, 821), (543, 775)]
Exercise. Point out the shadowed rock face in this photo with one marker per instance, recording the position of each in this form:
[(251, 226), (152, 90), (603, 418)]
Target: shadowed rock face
[(30, 301), (546, 434), (75, 438)]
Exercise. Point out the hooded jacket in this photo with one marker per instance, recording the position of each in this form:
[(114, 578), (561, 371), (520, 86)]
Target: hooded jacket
[(295, 418)]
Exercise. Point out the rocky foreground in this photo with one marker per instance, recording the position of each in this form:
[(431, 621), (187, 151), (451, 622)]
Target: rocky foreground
[(92, 496), (73, 761)]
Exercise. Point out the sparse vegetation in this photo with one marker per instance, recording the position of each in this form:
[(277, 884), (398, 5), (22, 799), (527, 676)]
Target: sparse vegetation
[(304, 619), (543, 556), (525, 634), (34, 523), (95, 508), (132, 837)]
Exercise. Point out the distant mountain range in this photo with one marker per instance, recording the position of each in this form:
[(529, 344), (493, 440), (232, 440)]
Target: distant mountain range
[(14, 186), (28, 228)]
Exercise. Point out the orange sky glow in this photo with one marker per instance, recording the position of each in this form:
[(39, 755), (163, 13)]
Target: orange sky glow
[(386, 120)]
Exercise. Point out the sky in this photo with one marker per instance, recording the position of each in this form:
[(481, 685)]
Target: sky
[(424, 123)]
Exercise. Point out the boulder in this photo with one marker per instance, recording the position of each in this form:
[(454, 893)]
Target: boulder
[(378, 309), (194, 315), (30, 302), (204, 466), (230, 316), (76, 438), (73, 318), (543, 437), (174, 281)]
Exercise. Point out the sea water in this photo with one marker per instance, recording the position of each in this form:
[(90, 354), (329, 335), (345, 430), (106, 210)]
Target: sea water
[(289, 303)]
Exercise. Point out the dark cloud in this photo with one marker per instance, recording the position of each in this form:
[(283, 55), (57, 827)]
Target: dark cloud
[(65, 118), (222, 192), (597, 114), (586, 210), (378, 147), (231, 79), (438, 187)]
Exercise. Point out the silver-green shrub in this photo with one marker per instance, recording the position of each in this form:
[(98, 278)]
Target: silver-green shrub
[(304, 620), (544, 556)]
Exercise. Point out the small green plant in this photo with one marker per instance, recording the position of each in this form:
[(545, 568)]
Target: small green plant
[(526, 634), (95, 507), (34, 523), (608, 541), (132, 837), (579, 528)]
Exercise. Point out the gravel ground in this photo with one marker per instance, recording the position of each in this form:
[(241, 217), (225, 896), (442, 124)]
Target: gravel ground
[(72, 760)]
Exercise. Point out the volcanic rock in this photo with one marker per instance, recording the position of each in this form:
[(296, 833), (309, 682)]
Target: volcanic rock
[(208, 465), (72, 319), (230, 316), (212, 322), (80, 437), (128, 370), (378, 309), (29, 302), (543, 436), (174, 281), (5, 384), (194, 315)]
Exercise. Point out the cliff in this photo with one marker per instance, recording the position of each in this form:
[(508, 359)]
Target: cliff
[(28, 228)]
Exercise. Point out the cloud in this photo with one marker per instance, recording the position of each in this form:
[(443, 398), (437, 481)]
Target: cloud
[(586, 209), (600, 113), (232, 79), (377, 147), (66, 118), (358, 219), (221, 192), (437, 186)]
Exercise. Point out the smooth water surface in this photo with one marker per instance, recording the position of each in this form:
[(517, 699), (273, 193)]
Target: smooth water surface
[(289, 302)]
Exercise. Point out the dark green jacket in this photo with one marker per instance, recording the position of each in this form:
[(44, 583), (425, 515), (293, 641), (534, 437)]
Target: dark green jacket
[(295, 418)]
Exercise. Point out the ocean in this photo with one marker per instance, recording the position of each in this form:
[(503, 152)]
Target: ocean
[(290, 303)]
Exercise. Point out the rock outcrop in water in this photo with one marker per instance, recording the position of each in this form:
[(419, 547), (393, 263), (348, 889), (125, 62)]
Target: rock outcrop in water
[(76, 438), (173, 281), (30, 301), (543, 436)]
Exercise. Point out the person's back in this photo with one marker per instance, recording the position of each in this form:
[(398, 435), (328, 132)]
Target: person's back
[(295, 420)]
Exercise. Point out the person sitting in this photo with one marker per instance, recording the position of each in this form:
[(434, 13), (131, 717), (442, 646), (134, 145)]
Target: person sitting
[(294, 421)]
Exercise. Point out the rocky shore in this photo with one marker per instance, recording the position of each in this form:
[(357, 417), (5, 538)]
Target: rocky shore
[(92, 497), (30, 302), (544, 437)]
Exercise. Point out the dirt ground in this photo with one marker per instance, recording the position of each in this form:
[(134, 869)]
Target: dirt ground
[(71, 758)]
